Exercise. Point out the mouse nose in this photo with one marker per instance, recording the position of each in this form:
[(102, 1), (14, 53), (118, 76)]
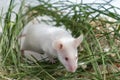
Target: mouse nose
[(72, 68)]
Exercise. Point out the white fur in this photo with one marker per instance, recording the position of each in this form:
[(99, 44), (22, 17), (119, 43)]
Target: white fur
[(54, 41)]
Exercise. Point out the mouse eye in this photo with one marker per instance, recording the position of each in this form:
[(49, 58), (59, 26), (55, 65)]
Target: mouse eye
[(66, 58)]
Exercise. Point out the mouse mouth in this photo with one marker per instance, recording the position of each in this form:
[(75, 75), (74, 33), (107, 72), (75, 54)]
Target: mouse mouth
[(71, 69)]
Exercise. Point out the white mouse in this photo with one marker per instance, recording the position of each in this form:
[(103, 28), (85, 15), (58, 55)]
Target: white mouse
[(53, 41)]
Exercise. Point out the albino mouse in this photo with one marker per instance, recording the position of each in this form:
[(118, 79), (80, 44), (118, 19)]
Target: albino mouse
[(53, 41)]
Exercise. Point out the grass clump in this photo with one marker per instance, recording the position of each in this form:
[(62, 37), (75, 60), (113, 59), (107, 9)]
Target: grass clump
[(100, 49)]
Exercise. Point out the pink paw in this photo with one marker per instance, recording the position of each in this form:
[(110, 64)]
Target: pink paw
[(51, 60)]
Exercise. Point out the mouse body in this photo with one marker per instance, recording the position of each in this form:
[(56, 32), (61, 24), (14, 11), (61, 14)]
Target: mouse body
[(53, 41)]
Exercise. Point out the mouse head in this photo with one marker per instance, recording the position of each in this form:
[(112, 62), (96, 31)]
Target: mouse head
[(67, 52)]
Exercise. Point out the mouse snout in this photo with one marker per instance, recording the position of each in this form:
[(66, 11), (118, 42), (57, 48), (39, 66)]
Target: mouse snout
[(72, 68)]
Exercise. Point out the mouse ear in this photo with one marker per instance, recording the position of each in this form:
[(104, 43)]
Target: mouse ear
[(57, 45), (78, 40)]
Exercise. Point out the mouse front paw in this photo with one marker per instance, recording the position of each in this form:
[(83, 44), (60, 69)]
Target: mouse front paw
[(52, 60)]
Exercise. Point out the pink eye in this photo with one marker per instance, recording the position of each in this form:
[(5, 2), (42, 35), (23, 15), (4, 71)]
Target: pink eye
[(66, 58)]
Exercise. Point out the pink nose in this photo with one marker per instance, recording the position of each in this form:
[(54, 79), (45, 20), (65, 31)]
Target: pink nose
[(72, 68)]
